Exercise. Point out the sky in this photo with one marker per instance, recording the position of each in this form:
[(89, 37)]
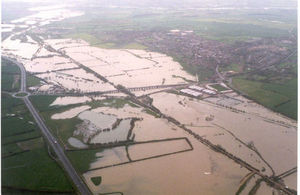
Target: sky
[(178, 3)]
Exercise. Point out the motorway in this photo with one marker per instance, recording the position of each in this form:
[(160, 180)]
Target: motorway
[(23, 73), (81, 186)]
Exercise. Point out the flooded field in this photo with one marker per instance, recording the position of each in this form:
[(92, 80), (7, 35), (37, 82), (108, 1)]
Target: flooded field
[(149, 128), (70, 113), (151, 149), (143, 153), (124, 66), (271, 140), (290, 181), (20, 49), (47, 15), (69, 100), (49, 64), (183, 173), (202, 172), (115, 155), (120, 133), (241, 103), (101, 120), (76, 143), (70, 82)]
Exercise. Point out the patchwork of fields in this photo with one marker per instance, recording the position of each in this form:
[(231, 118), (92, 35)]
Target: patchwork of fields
[(136, 99), (25, 156)]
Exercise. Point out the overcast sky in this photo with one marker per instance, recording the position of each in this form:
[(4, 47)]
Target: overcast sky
[(178, 3)]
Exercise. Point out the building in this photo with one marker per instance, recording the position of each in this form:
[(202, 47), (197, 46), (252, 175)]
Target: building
[(197, 88), (191, 92), (209, 92)]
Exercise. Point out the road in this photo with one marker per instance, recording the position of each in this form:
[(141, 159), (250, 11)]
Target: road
[(23, 73), (219, 74), (81, 186)]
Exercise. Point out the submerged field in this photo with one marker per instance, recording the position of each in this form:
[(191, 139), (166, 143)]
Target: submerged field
[(261, 38), (116, 107)]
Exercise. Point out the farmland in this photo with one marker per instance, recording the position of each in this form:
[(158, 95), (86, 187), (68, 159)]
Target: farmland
[(10, 75), (278, 97), (143, 27), (127, 97), (25, 154)]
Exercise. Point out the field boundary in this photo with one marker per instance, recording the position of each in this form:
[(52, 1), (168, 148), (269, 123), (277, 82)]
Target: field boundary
[(152, 157)]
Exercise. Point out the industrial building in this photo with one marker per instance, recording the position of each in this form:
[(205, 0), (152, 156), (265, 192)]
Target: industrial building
[(195, 87), (210, 92), (191, 92)]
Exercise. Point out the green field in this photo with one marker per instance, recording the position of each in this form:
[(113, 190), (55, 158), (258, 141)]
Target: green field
[(26, 163), (16, 119), (10, 76), (232, 67), (103, 43), (219, 87), (96, 180), (281, 98), (81, 160), (113, 102), (42, 102), (32, 81), (37, 167), (99, 25), (21, 94), (119, 27), (63, 129)]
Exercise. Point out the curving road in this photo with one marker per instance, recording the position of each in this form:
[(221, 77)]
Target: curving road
[(23, 73), (81, 186)]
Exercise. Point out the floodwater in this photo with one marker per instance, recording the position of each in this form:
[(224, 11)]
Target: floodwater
[(69, 100), (120, 133), (108, 157), (44, 87), (18, 48), (200, 171), (76, 143), (273, 141), (131, 68), (260, 111), (102, 121), (149, 128), (146, 150), (182, 173), (290, 181), (70, 113), (79, 84), (49, 64)]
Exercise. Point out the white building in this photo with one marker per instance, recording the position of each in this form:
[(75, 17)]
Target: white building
[(210, 92), (191, 92), (195, 87)]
